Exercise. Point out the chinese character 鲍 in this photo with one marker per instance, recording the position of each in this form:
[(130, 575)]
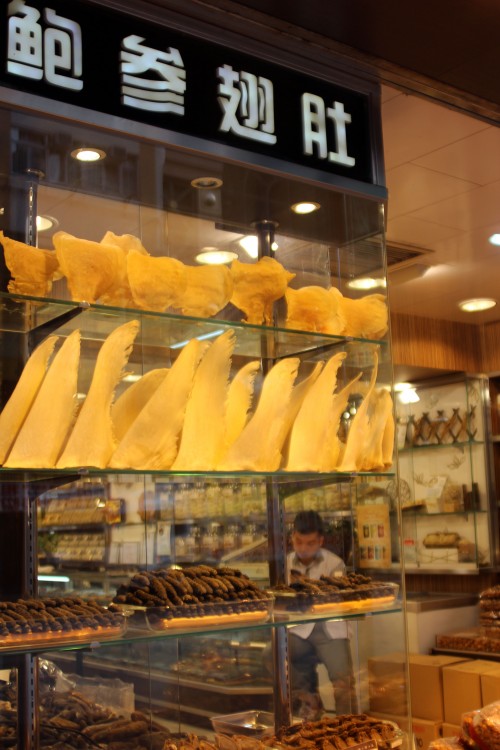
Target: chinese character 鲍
[(52, 52), (247, 102), (314, 123), (162, 90)]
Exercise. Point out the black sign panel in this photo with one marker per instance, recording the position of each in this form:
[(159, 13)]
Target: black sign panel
[(117, 64)]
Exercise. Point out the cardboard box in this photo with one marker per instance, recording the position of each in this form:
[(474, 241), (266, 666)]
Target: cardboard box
[(490, 685), (462, 687), (424, 732), (426, 684), (387, 684), (450, 730)]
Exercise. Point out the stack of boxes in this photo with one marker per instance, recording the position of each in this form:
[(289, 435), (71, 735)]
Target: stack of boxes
[(442, 688)]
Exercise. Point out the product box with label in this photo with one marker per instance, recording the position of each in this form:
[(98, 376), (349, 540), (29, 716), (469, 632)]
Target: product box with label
[(426, 684), (387, 684), (462, 687), (424, 732)]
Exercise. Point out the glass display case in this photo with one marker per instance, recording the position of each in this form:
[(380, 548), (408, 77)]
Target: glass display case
[(444, 482), (187, 363)]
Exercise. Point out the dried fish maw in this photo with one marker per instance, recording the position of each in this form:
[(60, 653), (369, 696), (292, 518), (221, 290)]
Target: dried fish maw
[(92, 441), (379, 412), (128, 242), (353, 456), (151, 441), (311, 423), (208, 290), (129, 405), (239, 401), (22, 397), (31, 268), (155, 282), (91, 268), (313, 308), (366, 317), (202, 437), (259, 446), (45, 429), (257, 286)]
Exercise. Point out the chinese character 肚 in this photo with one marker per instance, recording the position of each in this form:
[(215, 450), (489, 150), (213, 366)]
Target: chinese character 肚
[(163, 91), (52, 52), (247, 102), (314, 122)]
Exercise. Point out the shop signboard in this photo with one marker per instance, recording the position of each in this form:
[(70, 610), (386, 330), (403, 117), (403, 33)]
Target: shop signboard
[(112, 62)]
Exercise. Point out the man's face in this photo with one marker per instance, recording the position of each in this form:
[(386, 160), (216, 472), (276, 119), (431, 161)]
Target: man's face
[(307, 546)]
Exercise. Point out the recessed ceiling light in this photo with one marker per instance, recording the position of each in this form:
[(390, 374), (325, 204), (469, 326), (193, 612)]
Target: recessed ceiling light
[(494, 239), (477, 304), (45, 222), (305, 207), (206, 183), (213, 257), (366, 282), (88, 154)]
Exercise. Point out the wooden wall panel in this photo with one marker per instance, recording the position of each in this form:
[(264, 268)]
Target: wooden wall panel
[(443, 344), (491, 347)]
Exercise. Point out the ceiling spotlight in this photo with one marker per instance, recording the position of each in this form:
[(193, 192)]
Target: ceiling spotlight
[(213, 257), (206, 183), (494, 239), (366, 282), (477, 304), (45, 222), (305, 207), (88, 154)]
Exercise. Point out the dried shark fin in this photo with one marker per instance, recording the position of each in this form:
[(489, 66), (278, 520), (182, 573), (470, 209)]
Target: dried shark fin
[(353, 456), (45, 429), (332, 449), (380, 411), (388, 438), (22, 397), (299, 393), (204, 424), (239, 402), (259, 446), (92, 441), (128, 406), (151, 441), (311, 423)]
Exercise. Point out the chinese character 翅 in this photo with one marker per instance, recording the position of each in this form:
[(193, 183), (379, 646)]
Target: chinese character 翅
[(161, 92), (247, 102), (314, 121), (53, 53)]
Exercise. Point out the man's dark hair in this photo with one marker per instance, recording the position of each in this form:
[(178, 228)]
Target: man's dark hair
[(308, 522)]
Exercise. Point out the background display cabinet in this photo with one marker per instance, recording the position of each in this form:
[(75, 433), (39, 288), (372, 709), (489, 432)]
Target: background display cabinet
[(163, 419), (445, 484)]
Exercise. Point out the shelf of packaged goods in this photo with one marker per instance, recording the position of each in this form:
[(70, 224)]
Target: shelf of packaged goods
[(39, 317), (143, 634)]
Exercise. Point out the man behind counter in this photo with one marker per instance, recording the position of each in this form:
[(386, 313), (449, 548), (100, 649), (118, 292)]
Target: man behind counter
[(322, 642)]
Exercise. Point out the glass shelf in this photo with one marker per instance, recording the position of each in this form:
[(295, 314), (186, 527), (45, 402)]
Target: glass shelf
[(424, 514), (31, 476), (133, 635), (40, 316), (427, 446)]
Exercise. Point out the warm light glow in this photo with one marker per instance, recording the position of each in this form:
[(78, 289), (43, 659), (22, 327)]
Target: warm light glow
[(398, 387), (88, 154), (366, 282), (203, 337), (305, 207), (45, 222), (250, 245), (132, 377), (408, 396), (477, 304), (494, 239), (213, 257)]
